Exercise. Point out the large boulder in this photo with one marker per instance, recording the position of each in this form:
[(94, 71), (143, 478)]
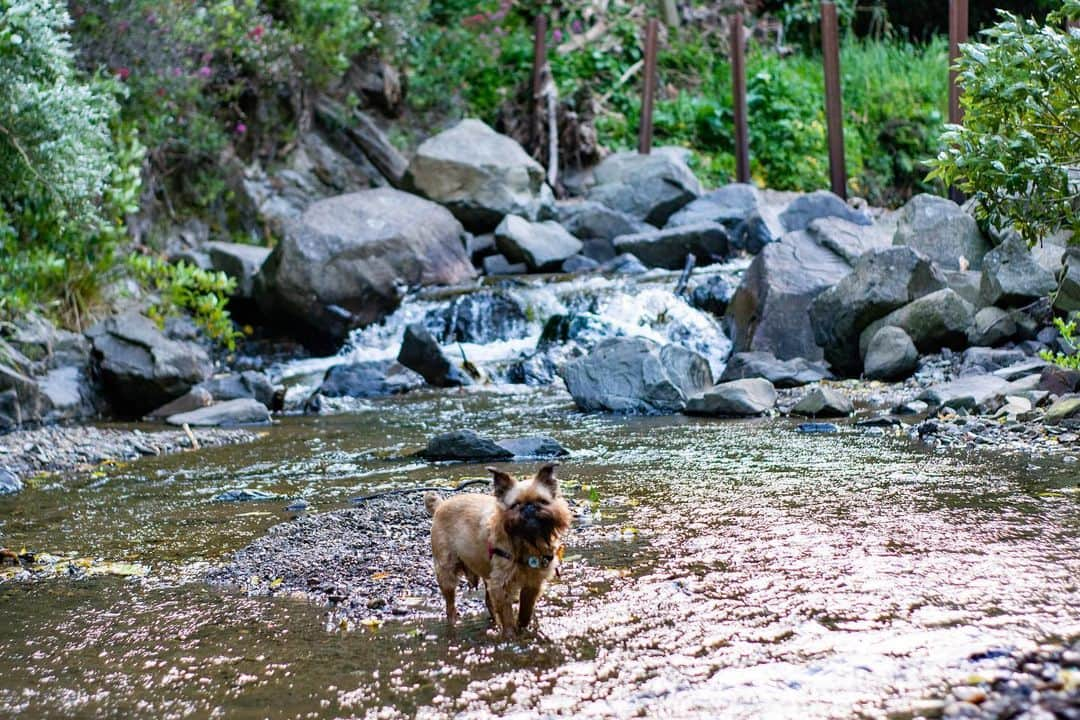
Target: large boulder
[(479, 175), (1068, 297), (850, 240), (238, 261), (636, 375), (67, 393), (770, 310), (464, 445), (592, 220), (823, 402), (648, 187), (708, 242), (348, 260), (819, 204), (738, 398), (542, 246), (881, 281), (422, 354), (991, 326), (730, 206), (941, 230), (230, 413), (1012, 276), (890, 355), (368, 379), (940, 319), (140, 368), (781, 373)]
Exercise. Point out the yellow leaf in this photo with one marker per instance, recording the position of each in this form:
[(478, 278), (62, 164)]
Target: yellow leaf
[(275, 583), (371, 623), (380, 576)]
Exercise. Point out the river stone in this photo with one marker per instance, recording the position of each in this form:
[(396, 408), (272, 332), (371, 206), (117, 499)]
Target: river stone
[(991, 326), (636, 375), (940, 319), (598, 249), (67, 394), (712, 295), (824, 402), (421, 353), (543, 247), (244, 495), (819, 204), (881, 281), (1064, 408), (499, 265), (479, 175), (708, 242), (480, 246), (9, 482), (140, 368), (481, 317), (891, 355), (194, 399), (972, 392), (246, 384), (579, 264), (941, 230), (1068, 296), (624, 264), (539, 446), (781, 373), (244, 411), (770, 310), (1014, 405), (849, 240), (464, 445), (967, 284), (346, 262), (1058, 380), (647, 187), (590, 220), (368, 379), (1029, 367), (1011, 276), (738, 398), (990, 359), (240, 262), (730, 206)]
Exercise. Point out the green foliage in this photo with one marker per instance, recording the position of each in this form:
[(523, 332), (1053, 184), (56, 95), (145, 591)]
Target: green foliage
[(1067, 330), (1016, 153), (71, 170), (187, 288)]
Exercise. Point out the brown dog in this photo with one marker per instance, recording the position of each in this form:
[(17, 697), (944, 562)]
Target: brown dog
[(511, 538)]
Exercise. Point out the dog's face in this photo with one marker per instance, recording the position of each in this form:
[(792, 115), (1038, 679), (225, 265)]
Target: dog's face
[(532, 510)]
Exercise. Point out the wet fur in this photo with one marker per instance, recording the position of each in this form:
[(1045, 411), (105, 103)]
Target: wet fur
[(463, 527)]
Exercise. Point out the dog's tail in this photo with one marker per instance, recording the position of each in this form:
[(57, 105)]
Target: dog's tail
[(431, 501)]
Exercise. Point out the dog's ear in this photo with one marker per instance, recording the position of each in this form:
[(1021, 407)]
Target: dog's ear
[(546, 477), (501, 482)]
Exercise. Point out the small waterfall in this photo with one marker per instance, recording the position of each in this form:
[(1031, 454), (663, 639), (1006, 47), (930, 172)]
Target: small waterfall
[(496, 326)]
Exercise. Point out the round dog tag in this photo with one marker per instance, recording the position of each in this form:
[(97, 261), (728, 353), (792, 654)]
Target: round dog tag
[(534, 562)]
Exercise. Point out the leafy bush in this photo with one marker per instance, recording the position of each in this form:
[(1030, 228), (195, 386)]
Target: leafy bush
[(1068, 332), (183, 287), (1016, 153)]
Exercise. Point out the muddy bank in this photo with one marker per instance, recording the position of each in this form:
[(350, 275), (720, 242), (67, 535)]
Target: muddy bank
[(57, 448)]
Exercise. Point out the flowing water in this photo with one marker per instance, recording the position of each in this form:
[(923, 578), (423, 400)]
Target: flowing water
[(742, 570)]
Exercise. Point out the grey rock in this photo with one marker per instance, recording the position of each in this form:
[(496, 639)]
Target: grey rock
[(580, 264), (241, 262), (941, 230), (1026, 368), (1068, 297), (712, 295), (824, 402), (770, 310), (1058, 380), (539, 446), (890, 355), (738, 398), (346, 262), (499, 265), (479, 175), (480, 246), (816, 428), (9, 482), (140, 368), (819, 204), (245, 411), (368, 379), (915, 407), (244, 495), (781, 373), (730, 206), (981, 393), (246, 384), (194, 399), (967, 284), (67, 394), (881, 282), (541, 246), (757, 232), (636, 375), (708, 242), (1011, 276), (990, 359), (599, 250), (935, 321), (624, 264), (464, 445), (480, 317), (421, 353), (592, 220), (991, 326), (650, 187), (848, 239)]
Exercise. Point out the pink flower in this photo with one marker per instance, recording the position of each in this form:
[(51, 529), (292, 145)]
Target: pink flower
[(241, 128), (576, 26), (123, 73), (556, 35), (256, 32), (177, 72), (205, 71)]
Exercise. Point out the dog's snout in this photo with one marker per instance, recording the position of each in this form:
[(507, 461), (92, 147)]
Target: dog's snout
[(528, 510)]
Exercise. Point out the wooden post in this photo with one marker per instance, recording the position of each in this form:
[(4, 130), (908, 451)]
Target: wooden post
[(834, 111), (648, 90), (958, 34), (539, 59), (738, 96)]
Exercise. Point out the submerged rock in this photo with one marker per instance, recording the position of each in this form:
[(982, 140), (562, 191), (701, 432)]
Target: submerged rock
[(636, 375), (539, 446), (464, 445), (781, 373), (647, 187), (817, 428), (230, 413), (737, 398), (244, 495), (941, 230)]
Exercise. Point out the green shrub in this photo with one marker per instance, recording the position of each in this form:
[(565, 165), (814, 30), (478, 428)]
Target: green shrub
[(1021, 130), (1068, 331)]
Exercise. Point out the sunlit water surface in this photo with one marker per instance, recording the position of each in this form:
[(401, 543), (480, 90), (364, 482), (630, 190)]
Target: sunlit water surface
[(749, 571)]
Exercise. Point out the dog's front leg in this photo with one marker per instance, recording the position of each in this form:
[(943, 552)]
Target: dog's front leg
[(503, 604), (529, 595)]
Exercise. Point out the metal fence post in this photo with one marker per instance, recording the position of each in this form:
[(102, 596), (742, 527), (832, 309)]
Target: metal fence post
[(958, 34), (648, 90), (738, 96), (834, 114)]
